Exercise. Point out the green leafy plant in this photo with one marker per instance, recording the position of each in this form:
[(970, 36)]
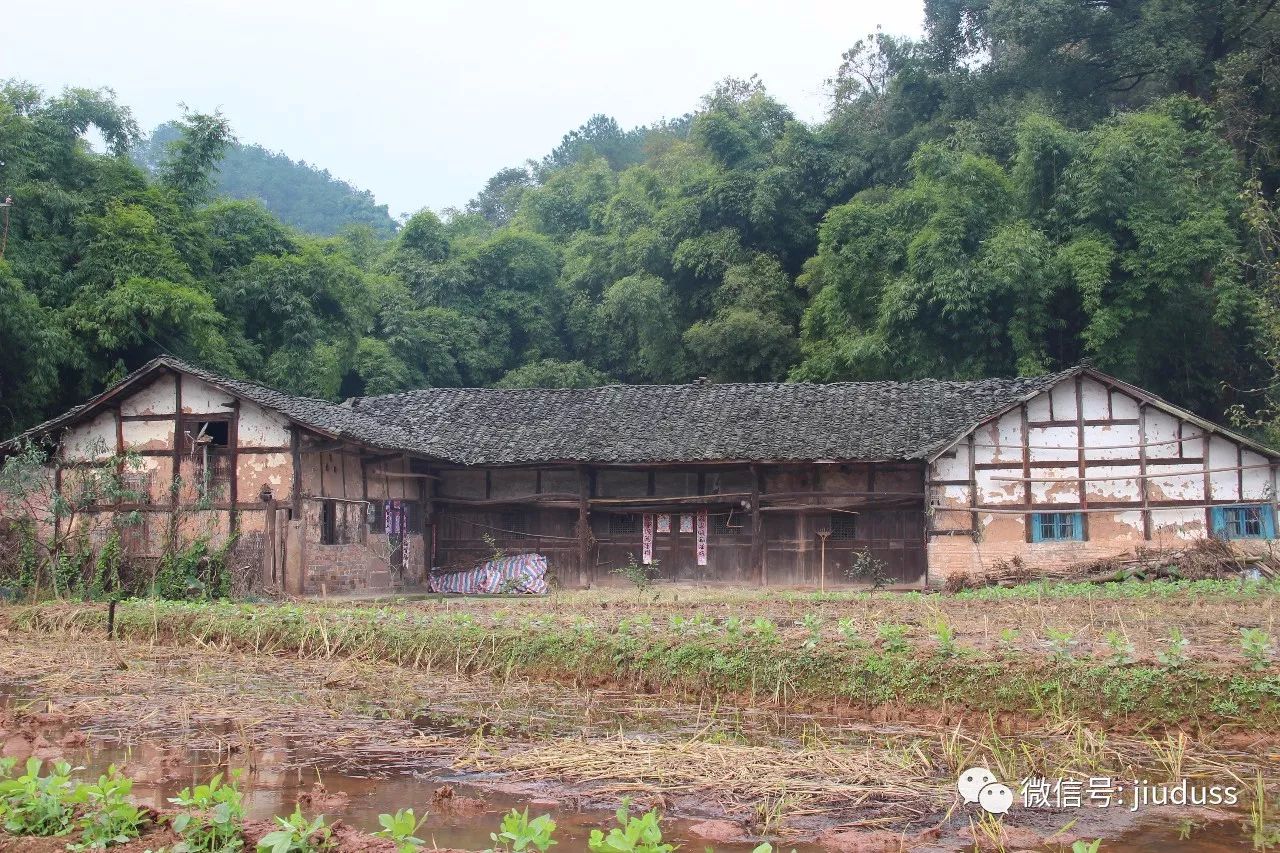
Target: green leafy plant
[(106, 816), (848, 630), (402, 828), (641, 575), (297, 835), (764, 630), (1258, 647), (519, 834), (1121, 648), (212, 817), (631, 835), (1174, 654), (945, 634), (812, 623), (864, 566), (1082, 846), (33, 804), (893, 638), (1060, 642)]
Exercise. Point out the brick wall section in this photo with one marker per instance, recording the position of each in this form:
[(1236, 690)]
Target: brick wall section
[(345, 568), (356, 567)]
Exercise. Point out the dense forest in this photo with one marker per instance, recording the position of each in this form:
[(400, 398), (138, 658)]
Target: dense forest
[(299, 194), (1031, 183)]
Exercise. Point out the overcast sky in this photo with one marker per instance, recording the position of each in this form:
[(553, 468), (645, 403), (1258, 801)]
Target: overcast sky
[(420, 102)]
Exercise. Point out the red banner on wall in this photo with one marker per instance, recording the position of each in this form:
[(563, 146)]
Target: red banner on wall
[(702, 537)]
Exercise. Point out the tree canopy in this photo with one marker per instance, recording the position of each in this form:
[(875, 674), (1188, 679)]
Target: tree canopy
[(1032, 183)]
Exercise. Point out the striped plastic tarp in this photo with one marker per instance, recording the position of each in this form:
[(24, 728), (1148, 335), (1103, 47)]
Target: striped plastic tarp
[(524, 573)]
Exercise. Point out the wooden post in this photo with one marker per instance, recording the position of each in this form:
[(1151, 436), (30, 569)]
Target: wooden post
[(233, 441), (1142, 468), (585, 574), (294, 558), (1082, 487), (1028, 518), (757, 529), (973, 490), (1208, 486)]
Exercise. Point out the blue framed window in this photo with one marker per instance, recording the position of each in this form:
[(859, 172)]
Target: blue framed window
[(1256, 521), (1057, 526)]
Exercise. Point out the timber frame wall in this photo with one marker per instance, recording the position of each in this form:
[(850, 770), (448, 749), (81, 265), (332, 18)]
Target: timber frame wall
[(1139, 472), (305, 506), (766, 521)]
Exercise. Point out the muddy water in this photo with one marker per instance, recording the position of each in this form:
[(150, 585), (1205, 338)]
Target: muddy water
[(361, 783), (355, 790), (275, 778)]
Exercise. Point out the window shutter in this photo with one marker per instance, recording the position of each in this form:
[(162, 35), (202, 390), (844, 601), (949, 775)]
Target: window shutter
[(1218, 526), (1268, 514), (1077, 525), (1035, 527)]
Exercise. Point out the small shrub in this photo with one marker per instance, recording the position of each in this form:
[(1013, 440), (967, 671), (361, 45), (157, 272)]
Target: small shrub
[(402, 828), (864, 566), (519, 834), (640, 574)]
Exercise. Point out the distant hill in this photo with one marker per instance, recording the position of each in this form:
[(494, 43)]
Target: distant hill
[(307, 198)]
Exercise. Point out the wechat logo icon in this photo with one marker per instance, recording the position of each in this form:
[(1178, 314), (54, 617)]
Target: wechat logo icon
[(979, 785)]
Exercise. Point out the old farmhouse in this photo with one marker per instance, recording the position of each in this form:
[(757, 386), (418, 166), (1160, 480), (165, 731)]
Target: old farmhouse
[(756, 484)]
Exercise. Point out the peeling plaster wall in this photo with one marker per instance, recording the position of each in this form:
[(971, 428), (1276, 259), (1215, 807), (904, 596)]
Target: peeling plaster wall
[(201, 398), (155, 399), (980, 505), (93, 439)]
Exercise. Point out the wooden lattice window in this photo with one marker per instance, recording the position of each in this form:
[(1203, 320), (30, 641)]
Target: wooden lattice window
[(844, 528), (726, 524), (624, 524)]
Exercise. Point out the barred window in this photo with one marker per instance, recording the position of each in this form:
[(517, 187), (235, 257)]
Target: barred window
[(329, 523), (513, 522), (843, 527), (624, 524), (729, 524)]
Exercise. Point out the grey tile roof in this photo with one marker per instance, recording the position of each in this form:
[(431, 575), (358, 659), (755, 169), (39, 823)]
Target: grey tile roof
[(698, 422), (321, 415), (701, 422)]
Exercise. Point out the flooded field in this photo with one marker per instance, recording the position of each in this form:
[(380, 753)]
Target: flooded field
[(354, 738)]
